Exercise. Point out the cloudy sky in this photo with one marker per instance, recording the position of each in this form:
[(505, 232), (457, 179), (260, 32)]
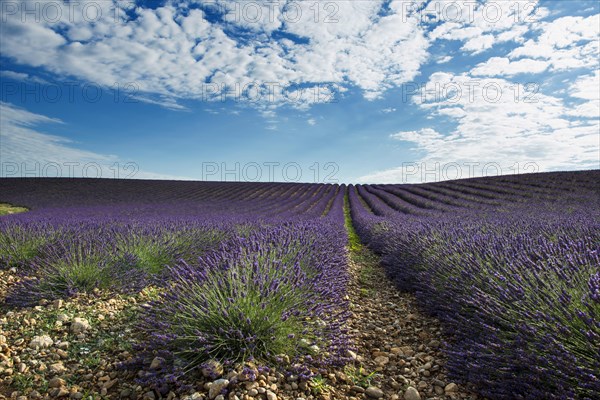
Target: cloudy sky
[(312, 91)]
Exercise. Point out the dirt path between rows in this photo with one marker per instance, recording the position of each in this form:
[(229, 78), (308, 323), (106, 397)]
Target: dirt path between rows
[(394, 339)]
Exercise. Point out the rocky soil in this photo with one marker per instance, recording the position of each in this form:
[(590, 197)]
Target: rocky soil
[(72, 349), (395, 340)]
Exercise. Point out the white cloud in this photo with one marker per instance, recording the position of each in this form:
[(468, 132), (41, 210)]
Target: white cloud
[(311, 121), (502, 66), (388, 110), (22, 143), (478, 44), (566, 31), (27, 151), (23, 77), (392, 175), (482, 25), (500, 121), (175, 54), (589, 109), (444, 59), (163, 101), (495, 128), (514, 35), (421, 136), (565, 43), (587, 88), (19, 76)]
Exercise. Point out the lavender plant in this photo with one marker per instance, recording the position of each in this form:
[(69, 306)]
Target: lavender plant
[(256, 298), (69, 268), (20, 244)]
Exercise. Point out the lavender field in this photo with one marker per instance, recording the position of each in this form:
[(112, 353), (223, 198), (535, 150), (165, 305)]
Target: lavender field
[(174, 289)]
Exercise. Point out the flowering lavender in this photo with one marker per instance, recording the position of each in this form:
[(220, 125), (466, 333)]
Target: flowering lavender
[(515, 279), (21, 243), (245, 273), (75, 265), (277, 291)]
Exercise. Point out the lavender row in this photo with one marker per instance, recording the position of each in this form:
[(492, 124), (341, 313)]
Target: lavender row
[(517, 286), (415, 199), (61, 260)]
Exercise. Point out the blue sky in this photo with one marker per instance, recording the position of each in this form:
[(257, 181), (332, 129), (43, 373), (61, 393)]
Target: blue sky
[(336, 91)]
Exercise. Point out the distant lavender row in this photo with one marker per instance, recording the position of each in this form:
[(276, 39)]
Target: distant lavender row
[(188, 197), (517, 284)]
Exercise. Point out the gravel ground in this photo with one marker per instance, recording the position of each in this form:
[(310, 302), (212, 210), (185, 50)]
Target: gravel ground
[(72, 349), (395, 340)]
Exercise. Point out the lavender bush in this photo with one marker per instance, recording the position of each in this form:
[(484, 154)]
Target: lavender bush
[(20, 243), (278, 291), (76, 266)]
